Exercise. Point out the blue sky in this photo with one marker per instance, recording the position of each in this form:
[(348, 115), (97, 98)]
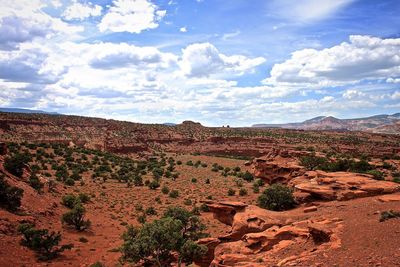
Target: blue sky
[(219, 62)]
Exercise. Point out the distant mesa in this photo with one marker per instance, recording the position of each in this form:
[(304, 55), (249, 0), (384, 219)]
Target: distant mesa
[(169, 124), (191, 123), (27, 111), (379, 123)]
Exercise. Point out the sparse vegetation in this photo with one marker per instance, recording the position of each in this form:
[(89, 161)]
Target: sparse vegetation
[(155, 242), (45, 244), (10, 196), (76, 218), (276, 197)]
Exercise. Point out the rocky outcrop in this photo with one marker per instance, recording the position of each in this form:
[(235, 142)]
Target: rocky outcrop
[(244, 218), (211, 243), (341, 185), (279, 245), (278, 166)]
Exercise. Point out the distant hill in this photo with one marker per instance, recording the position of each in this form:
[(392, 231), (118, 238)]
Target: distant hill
[(27, 111), (379, 123)]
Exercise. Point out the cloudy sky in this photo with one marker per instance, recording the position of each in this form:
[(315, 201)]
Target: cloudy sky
[(235, 62)]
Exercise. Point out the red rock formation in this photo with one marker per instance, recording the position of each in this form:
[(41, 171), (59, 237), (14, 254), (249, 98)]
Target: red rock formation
[(341, 185), (277, 167)]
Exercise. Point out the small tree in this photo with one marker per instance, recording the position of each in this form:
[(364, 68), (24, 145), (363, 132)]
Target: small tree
[(35, 182), (248, 176), (16, 164), (45, 244), (191, 251), (276, 197), (174, 193), (154, 243), (76, 218), (10, 196)]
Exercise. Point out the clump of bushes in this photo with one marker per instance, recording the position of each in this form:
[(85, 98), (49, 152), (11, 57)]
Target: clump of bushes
[(76, 218), (71, 200), (151, 211), (45, 244), (314, 162), (276, 197), (174, 194), (35, 183), (377, 175), (16, 164), (154, 243), (10, 196), (165, 189), (231, 192), (242, 192)]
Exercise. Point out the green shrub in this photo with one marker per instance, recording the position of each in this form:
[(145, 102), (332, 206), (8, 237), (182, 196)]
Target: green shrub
[(141, 218), (259, 182), (151, 211), (69, 201), (174, 194), (10, 196), (84, 198), (35, 183), (83, 239), (191, 251), (76, 218), (16, 164), (45, 244), (256, 188), (137, 180), (312, 162), (165, 190), (69, 182), (187, 202), (242, 192), (155, 242), (204, 207), (377, 175), (231, 192), (153, 185), (276, 197), (194, 180), (247, 176)]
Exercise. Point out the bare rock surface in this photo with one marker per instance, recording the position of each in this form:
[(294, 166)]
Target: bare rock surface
[(341, 185)]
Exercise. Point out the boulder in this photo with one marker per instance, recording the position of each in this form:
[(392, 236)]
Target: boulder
[(277, 166), (265, 248), (341, 185), (244, 218), (225, 211)]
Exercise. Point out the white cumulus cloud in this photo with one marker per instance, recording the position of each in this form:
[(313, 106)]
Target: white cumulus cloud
[(79, 11), (132, 16), (204, 59), (363, 58)]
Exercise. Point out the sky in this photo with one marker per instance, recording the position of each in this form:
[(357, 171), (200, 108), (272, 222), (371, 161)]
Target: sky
[(218, 62)]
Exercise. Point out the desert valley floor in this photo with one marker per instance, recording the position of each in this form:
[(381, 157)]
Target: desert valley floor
[(345, 187)]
